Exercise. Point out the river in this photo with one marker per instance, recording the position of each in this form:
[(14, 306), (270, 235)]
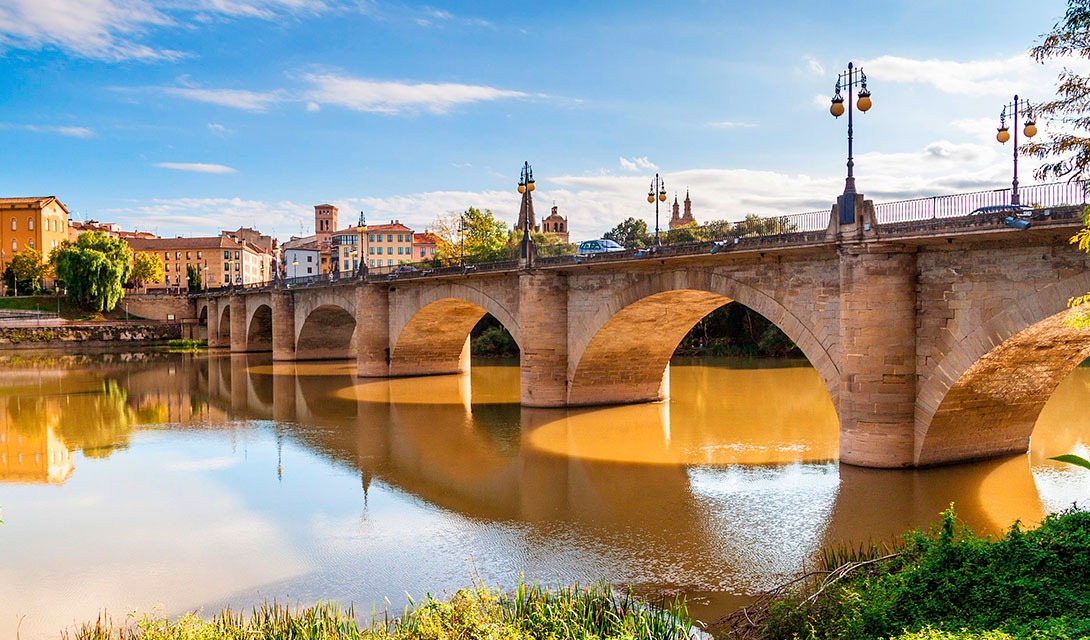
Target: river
[(169, 483)]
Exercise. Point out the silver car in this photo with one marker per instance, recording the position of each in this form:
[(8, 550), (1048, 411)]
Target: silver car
[(593, 247)]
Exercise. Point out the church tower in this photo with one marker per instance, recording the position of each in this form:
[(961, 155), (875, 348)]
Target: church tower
[(325, 221), (675, 217), (556, 225)]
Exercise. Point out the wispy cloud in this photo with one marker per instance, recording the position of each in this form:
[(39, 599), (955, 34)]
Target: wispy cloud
[(114, 30), (637, 164), (814, 66), (1001, 77), (731, 124), (398, 97), (73, 132), (219, 130), (234, 98), (196, 167)]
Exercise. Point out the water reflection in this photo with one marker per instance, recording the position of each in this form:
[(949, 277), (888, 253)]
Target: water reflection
[(213, 480)]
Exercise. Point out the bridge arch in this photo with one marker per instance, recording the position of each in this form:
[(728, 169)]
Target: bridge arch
[(326, 326), (984, 397), (432, 337), (259, 328), (622, 352), (224, 327)]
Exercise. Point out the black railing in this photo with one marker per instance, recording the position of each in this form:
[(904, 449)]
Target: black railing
[(1037, 196)]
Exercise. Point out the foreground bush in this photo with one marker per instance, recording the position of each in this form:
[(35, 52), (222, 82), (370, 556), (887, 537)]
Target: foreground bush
[(946, 585), (479, 613)]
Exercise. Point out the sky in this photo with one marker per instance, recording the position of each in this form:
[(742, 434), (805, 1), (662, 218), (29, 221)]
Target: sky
[(185, 117)]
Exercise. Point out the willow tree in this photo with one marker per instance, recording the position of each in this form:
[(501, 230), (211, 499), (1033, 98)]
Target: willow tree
[(1065, 150), (94, 269)]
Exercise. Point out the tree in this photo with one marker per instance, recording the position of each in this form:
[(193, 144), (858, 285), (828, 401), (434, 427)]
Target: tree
[(1066, 146), (754, 225), (486, 238), (686, 233), (630, 234), (193, 277), (146, 267), (25, 271), (93, 268)]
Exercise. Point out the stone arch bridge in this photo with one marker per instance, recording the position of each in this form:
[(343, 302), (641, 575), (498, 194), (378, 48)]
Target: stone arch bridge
[(938, 341)]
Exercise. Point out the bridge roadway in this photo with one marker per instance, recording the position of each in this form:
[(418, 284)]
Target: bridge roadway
[(938, 341)]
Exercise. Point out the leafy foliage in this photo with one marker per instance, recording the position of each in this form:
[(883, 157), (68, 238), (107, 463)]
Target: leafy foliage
[(486, 237), (948, 583), (25, 271), (192, 277), (93, 268), (146, 267), (630, 234), (736, 330), (532, 612)]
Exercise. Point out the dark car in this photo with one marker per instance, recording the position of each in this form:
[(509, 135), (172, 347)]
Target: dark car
[(402, 270), (594, 247)]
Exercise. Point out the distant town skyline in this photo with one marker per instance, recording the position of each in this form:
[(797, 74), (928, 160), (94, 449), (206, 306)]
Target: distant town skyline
[(186, 120)]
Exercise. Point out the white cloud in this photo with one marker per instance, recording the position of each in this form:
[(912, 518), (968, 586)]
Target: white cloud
[(219, 130), (731, 124), (638, 164), (113, 30), (814, 66), (313, 107), (197, 167), (73, 132), (397, 97), (1002, 77), (234, 98)]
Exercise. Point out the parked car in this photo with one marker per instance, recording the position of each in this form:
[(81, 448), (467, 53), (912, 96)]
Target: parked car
[(594, 247), (1015, 210), (402, 270)]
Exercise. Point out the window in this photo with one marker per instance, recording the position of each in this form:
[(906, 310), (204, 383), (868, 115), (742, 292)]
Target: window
[(310, 269), (400, 238), (31, 244), (198, 255), (13, 226), (166, 256), (177, 255), (310, 258), (389, 237), (370, 237), (226, 255), (389, 263), (236, 266), (187, 256), (226, 266), (166, 267), (399, 251), (371, 250), (30, 223), (346, 252), (226, 277), (421, 252), (236, 255), (372, 262)]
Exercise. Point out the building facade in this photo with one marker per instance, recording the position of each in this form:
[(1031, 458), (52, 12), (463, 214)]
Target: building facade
[(39, 223), (424, 246), (387, 245), (301, 258), (682, 220), (221, 260), (556, 225)]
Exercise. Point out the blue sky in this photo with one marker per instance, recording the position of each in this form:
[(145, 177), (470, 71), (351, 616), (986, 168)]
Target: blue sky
[(186, 117)]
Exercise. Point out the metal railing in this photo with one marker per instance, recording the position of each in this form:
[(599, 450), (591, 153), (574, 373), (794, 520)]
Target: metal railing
[(1038, 196)]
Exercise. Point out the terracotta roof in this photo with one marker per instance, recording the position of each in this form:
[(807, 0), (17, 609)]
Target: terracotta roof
[(41, 201), (324, 206), (395, 226), (425, 238), (205, 242)]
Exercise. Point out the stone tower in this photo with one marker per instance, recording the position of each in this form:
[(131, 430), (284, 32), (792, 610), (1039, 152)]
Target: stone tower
[(685, 218), (325, 221), (556, 225)]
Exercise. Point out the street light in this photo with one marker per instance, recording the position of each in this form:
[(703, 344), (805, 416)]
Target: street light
[(462, 240), (526, 185), (658, 186), (849, 79), (1002, 135)]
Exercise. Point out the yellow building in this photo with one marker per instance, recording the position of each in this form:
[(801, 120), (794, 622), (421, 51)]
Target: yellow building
[(39, 456), (37, 223), (386, 245)]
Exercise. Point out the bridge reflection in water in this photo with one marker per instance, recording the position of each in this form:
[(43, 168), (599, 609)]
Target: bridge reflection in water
[(313, 483)]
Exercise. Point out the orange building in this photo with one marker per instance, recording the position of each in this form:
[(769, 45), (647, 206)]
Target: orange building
[(39, 223), (388, 244), (38, 456), (424, 245), (222, 260)]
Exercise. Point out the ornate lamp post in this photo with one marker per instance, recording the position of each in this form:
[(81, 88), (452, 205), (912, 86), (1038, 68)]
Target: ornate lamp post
[(1002, 135), (526, 185), (462, 240), (849, 79), (657, 194), (294, 267)]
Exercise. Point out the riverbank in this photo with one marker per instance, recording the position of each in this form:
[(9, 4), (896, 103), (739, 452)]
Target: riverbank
[(945, 584), (530, 613), (88, 335)]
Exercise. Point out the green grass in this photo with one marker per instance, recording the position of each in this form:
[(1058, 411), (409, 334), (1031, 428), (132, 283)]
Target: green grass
[(531, 612), (183, 344), (945, 584)]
